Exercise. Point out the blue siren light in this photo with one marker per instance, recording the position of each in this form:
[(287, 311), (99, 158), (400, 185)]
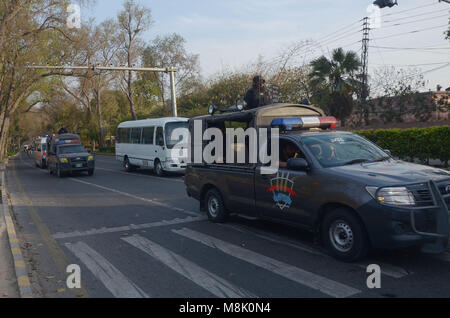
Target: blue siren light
[(287, 123)]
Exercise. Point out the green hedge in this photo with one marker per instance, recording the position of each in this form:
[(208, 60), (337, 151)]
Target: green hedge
[(407, 144)]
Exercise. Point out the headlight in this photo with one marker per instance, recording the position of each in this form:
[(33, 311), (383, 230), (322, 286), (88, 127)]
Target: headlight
[(90, 158), (392, 196), (64, 160)]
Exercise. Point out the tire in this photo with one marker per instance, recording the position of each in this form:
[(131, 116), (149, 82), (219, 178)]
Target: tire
[(159, 171), (344, 235), (215, 208), (128, 166), (90, 172)]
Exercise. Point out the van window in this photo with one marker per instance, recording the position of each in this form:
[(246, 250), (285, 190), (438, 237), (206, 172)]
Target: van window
[(170, 128), (159, 138), (123, 135), (147, 135), (136, 135)]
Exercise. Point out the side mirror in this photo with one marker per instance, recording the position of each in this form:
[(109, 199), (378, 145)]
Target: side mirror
[(212, 109), (298, 164), (388, 152), (241, 104)]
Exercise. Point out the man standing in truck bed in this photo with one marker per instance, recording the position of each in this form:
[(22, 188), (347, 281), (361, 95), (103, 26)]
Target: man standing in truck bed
[(257, 96)]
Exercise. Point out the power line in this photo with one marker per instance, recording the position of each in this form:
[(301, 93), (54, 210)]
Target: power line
[(410, 32), (412, 9), (411, 65), (412, 16), (436, 69), (403, 23), (411, 48)]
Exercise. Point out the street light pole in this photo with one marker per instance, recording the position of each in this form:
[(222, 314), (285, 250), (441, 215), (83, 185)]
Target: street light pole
[(170, 70)]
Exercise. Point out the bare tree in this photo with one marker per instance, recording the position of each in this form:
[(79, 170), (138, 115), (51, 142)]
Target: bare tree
[(132, 21)]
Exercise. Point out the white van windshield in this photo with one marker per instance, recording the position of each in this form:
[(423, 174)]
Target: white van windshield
[(170, 128)]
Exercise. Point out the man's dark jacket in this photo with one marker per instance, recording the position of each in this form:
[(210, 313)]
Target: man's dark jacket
[(257, 98)]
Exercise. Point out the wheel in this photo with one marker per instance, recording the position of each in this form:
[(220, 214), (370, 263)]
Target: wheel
[(128, 166), (344, 235), (215, 208), (159, 171), (90, 172)]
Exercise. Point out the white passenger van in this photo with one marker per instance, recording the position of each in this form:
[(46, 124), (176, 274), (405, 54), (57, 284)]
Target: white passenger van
[(147, 144)]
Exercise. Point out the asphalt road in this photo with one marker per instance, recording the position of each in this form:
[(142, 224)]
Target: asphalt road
[(137, 235)]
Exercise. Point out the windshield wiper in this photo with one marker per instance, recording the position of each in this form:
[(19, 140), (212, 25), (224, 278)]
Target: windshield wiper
[(355, 161), (381, 159)]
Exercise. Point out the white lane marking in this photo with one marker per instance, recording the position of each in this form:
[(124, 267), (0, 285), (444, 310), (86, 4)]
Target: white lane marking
[(152, 201), (271, 238), (322, 284), (140, 175), (119, 285), (209, 281), (386, 269), (131, 227)]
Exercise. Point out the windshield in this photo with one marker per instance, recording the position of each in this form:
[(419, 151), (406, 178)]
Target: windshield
[(170, 128), (341, 150), (71, 149)]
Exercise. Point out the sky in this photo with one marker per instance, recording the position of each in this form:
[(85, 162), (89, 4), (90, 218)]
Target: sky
[(230, 34)]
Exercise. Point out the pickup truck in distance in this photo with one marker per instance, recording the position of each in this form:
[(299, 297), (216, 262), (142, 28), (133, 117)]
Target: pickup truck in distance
[(67, 155), (353, 195)]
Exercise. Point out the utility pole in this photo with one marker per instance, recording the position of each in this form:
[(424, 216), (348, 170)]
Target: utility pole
[(170, 70), (365, 60)]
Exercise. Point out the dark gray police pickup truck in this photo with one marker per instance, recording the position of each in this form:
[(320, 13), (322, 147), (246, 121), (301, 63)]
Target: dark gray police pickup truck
[(348, 191), (67, 155)]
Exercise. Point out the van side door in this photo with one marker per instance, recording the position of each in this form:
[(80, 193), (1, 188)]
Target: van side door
[(160, 149)]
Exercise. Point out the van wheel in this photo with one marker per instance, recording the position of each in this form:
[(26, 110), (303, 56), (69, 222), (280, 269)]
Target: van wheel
[(215, 208), (128, 166), (344, 236), (159, 171)]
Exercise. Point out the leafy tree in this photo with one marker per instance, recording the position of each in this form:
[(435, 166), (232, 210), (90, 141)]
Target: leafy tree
[(334, 82)]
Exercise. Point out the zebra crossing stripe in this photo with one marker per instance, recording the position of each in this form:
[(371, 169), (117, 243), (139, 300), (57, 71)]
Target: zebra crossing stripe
[(119, 285), (322, 284), (209, 281)]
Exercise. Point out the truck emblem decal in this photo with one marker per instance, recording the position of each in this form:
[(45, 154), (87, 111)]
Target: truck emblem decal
[(282, 189)]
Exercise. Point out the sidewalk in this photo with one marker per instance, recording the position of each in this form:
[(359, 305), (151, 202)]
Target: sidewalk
[(8, 280)]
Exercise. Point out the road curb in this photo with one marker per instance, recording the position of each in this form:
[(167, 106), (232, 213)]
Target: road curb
[(19, 263)]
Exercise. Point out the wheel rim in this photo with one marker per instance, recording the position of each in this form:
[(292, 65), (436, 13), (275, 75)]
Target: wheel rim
[(213, 206), (158, 168), (341, 236)]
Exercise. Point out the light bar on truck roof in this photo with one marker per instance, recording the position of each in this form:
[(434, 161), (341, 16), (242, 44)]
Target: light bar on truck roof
[(68, 141), (292, 123)]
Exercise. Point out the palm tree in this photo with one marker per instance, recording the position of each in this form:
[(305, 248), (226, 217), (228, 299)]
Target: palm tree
[(334, 82)]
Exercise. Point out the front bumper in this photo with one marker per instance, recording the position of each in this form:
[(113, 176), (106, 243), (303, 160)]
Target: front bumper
[(391, 227), (175, 167), (74, 167)]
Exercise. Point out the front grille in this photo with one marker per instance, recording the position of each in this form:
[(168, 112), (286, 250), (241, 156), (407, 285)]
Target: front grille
[(422, 194), (74, 163)]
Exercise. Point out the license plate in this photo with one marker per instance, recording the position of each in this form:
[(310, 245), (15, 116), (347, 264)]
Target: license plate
[(79, 165)]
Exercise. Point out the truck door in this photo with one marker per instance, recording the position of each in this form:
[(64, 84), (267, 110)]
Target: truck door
[(286, 194)]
